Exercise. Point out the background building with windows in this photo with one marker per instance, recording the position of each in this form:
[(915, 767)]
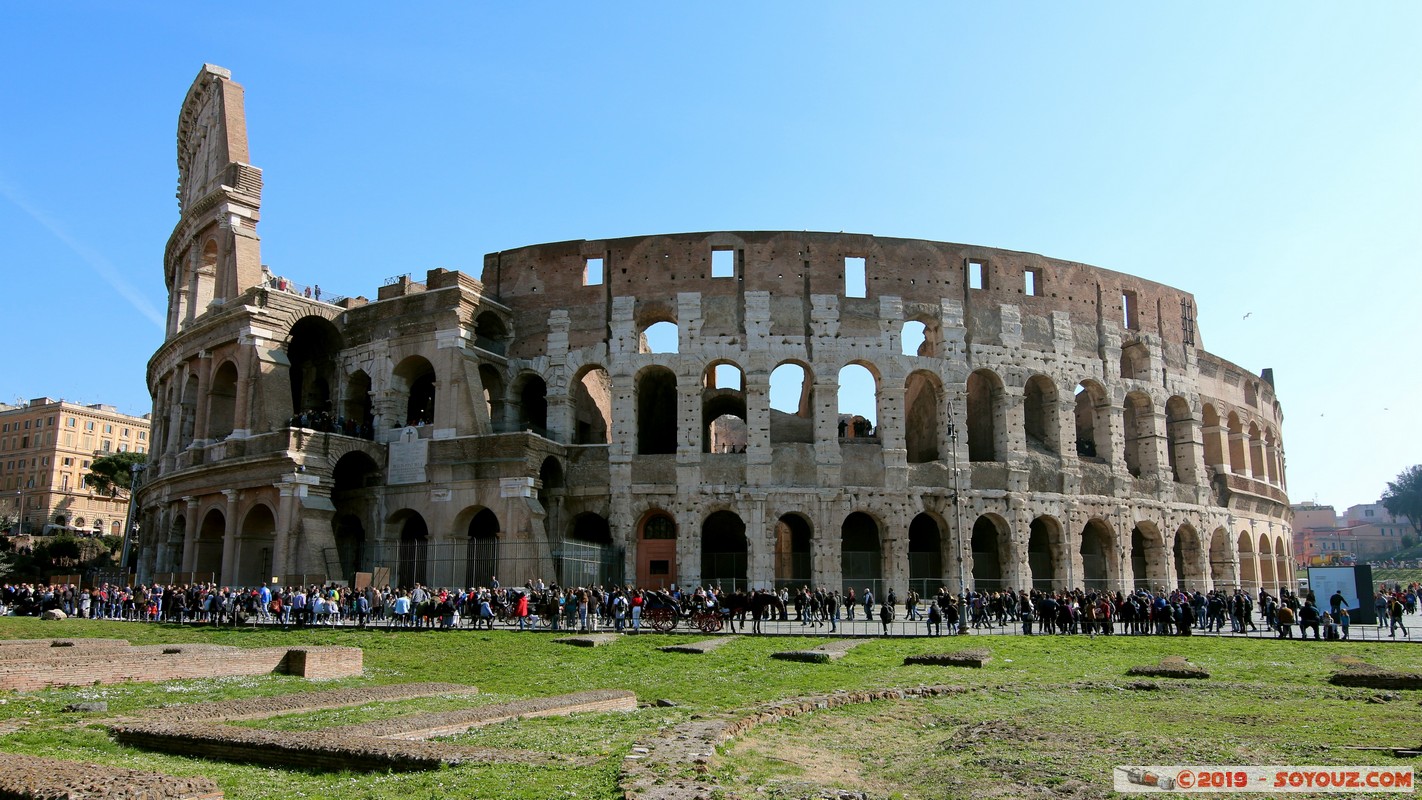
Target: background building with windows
[(679, 409), (1362, 533), (46, 447)]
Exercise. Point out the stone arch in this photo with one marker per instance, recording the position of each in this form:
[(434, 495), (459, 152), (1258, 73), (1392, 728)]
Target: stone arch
[(656, 550), (414, 380), (188, 406), (1099, 564), (1093, 421), (1210, 425), (922, 336), (1271, 456), (922, 400), (1138, 424), (491, 333), (1135, 362), (1267, 580), (357, 408), (661, 336), (725, 552), (723, 408), (1150, 568), (656, 411), (1223, 573), (174, 543), (986, 415), (592, 406), (794, 551), (1248, 568), (1189, 560), (991, 553), (222, 401), (925, 547), (1180, 439), (313, 349), (481, 562), (861, 551), (414, 538), (1039, 414), (207, 558), (1257, 470), (1238, 459), (496, 399), (858, 400), (1283, 571), (532, 393), (1047, 555), (255, 546), (792, 410)]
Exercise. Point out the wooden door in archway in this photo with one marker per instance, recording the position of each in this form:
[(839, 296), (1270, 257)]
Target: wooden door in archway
[(656, 553)]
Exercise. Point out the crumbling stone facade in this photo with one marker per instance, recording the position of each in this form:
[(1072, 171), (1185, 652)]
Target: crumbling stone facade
[(1033, 422)]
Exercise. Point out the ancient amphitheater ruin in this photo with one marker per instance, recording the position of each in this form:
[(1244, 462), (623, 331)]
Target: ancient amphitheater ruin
[(733, 408)]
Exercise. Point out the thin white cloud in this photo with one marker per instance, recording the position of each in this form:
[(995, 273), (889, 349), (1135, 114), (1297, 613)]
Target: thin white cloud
[(93, 258)]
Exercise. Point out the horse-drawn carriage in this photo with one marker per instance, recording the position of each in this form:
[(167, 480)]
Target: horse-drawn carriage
[(663, 613)]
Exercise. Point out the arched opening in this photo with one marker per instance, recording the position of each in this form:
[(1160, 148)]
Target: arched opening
[(1189, 568), (1180, 439), (991, 548), (359, 419), (921, 404), (207, 560), (723, 409), (1149, 569), (656, 551), (189, 411), (481, 563), (313, 349), (413, 565), (1283, 575), (355, 479), (584, 557), (792, 411), (1238, 460), (1222, 572), (921, 338), (490, 333), (1256, 453), (222, 402), (495, 401), (1248, 575), (1210, 426), (1266, 565), (1137, 423), (861, 560), (724, 554), (1046, 554), (415, 379), (793, 541), (533, 404), (984, 409), (254, 547), (1039, 414), (1135, 363), (925, 554), (659, 337), (172, 559), (656, 411), (592, 407), (1271, 457), (858, 402), (1098, 556), (1093, 422)]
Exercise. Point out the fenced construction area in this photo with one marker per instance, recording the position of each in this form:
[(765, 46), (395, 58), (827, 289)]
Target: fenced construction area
[(1039, 716)]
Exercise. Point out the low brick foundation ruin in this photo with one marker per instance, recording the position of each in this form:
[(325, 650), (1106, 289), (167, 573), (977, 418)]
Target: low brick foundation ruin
[(263, 707), (45, 663), (450, 723), (975, 657), (35, 778), (822, 654), (1369, 677), (1170, 667)]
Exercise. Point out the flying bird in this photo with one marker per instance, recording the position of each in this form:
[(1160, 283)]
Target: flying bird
[(1247, 314)]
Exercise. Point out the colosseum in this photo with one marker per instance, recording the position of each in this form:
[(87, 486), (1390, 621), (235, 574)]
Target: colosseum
[(732, 408)]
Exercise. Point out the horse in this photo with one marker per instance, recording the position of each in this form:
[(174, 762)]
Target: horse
[(761, 605)]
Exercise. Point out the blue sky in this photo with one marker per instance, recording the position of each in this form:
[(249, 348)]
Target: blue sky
[(1265, 156)]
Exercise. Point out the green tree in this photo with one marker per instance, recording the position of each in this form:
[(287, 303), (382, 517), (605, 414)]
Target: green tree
[(111, 474), (1403, 497)]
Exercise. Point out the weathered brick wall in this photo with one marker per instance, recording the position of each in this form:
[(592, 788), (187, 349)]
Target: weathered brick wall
[(80, 666)]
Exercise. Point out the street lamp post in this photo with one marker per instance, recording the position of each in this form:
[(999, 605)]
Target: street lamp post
[(128, 524)]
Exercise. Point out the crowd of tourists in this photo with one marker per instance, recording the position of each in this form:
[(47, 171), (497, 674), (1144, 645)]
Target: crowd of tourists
[(622, 608)]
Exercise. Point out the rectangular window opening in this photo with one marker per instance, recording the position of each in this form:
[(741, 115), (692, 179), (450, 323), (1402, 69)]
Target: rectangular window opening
[(659, 566), (1032, 282), (1129, 311), (592, 272), (856, 279), (977, 276), (723, 263)]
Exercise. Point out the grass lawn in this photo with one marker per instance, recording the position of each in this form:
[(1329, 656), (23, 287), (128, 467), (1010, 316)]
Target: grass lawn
[(1048, 717)]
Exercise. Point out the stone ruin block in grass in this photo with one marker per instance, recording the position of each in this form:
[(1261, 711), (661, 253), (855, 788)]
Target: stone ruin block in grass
[(589, 639), (823, 654), (972, 657), (35, 778), (1170, 667), (1360, 674)]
